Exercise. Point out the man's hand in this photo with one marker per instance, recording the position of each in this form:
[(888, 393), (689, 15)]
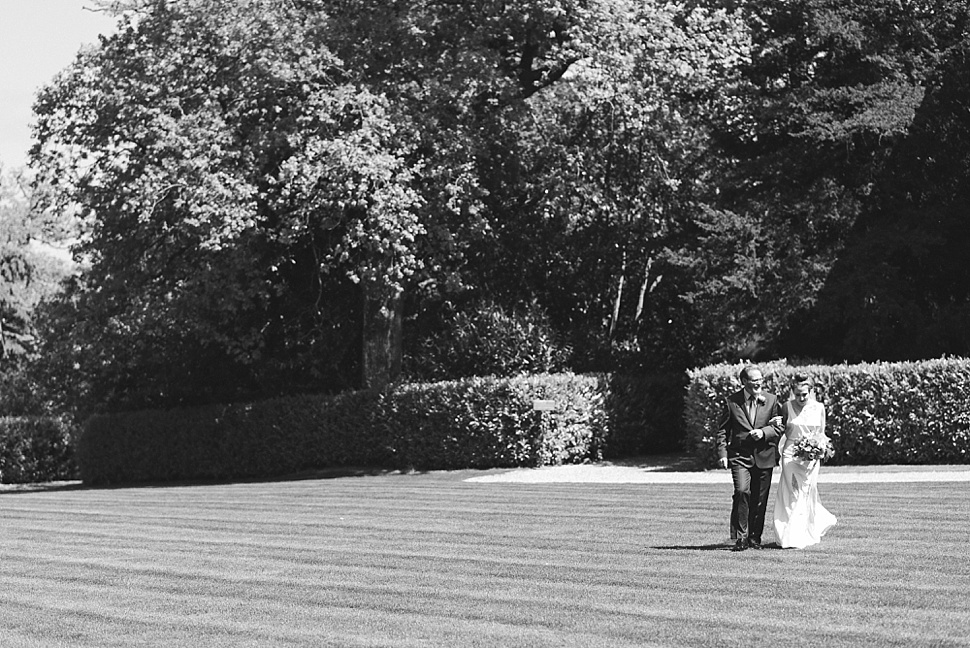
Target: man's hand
[(722, 462), (757, 434)]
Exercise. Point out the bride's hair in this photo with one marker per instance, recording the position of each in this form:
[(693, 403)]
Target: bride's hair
[(802, 378)]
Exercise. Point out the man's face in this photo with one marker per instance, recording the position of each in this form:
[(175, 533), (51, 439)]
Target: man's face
[(754, 382)]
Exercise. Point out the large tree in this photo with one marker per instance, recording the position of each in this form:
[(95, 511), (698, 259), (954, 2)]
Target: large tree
[(259, 182), (562, 138), (621, 154), (902, 288), (831, 89), (240, 196), (262, 186)]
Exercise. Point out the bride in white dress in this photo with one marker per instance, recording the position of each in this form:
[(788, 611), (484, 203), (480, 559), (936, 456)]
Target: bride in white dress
[(800, 518)]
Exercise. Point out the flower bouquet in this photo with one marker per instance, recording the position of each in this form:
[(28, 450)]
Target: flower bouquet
[(812, 448)]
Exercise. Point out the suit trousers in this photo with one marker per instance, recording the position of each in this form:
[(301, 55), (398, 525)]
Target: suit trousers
[(751, 488)]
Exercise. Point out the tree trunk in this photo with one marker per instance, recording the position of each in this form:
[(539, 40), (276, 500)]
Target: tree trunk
[(646, 287), (381, 328), (619, 297)]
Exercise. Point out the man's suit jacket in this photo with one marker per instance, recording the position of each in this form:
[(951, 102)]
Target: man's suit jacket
[(734, 440)]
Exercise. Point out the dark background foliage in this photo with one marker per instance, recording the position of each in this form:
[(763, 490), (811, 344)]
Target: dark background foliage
[(306, 197), (901, 289), (37, 449)]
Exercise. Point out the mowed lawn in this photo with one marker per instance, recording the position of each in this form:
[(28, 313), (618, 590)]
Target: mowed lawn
[(432, 560)]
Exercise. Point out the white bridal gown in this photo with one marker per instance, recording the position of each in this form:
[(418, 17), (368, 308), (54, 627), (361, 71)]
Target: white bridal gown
[(800, 518)]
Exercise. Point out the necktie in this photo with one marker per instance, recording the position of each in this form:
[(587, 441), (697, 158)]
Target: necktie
[(752, 407)]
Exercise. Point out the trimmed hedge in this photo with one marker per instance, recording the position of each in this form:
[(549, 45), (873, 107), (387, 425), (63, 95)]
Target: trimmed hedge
[(879, 413), (645, 414), (490, 422), (36, 449), (470, 423), (273, 437), (902, 413)]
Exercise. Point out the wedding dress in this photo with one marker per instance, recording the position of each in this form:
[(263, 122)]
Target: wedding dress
[(800, 518)]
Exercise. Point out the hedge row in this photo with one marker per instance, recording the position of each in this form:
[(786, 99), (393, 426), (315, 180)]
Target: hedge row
[(880, 413), (36, 449), (645, 414), (470, 423), (271, 437), (883, 413), (490, 422)]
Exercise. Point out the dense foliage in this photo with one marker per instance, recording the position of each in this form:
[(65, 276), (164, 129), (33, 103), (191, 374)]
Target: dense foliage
[(878, 413), (884, 413), (902, 288), (476, 422), (254, 181), (645, 414), (830, 91), (36, 449), (485, 339), (278, 198), (30, 266), (490, 422), (241, 196), (275, 437)]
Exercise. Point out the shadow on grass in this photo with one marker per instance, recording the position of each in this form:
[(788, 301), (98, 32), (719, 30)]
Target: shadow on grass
[(324, 473), (44, 487), (658, 463), (707, 547), (719, 546), (650, 463)]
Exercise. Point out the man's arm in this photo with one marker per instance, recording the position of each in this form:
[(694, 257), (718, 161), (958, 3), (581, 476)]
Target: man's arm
[(775, 431), (721, 436)]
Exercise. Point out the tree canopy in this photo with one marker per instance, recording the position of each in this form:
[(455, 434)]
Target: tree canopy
[(830, 90), (902, 288), (281, 196), (233, 182), (31, 263)]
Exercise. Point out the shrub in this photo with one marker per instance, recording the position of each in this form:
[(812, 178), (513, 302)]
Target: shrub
[(488, 340), (273, 437), (36, 449), (19, 393), (470, 423), (879, 413), (646, 414), (490, 422)]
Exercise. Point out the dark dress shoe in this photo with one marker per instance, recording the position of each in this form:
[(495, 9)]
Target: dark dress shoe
[(754, 544), (740, 545)]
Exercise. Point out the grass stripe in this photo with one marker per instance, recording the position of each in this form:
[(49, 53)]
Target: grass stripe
[(430, 560)]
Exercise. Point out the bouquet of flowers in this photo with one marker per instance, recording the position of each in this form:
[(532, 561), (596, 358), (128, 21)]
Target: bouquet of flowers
[(811, 448)]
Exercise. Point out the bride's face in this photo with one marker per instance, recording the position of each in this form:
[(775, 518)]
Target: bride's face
[(801, 392)]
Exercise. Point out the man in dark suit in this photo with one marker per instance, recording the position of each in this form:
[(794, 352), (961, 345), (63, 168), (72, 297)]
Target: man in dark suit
[(747, 441)]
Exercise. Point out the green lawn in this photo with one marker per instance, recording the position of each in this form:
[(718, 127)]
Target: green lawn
[(430, 560)]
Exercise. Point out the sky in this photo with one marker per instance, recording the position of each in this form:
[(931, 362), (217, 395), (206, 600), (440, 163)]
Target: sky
[(38, 38)]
